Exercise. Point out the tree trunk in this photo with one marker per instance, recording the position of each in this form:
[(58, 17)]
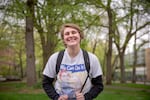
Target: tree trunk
[(20, 64), (109, 53), (31, 73), (94, 46), (122, 67), (134, 63)]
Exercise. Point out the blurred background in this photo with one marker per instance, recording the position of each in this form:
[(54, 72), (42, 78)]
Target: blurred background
[(117, 31)]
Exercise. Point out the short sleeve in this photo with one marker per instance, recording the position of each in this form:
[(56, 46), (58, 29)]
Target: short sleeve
[(95, 67), (50, 68)]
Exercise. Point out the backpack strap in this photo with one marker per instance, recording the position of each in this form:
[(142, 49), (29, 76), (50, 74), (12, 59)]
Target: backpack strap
[(86, 60), (59, 59)]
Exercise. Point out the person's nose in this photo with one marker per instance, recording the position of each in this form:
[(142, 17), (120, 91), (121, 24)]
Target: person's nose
[(70, 34)]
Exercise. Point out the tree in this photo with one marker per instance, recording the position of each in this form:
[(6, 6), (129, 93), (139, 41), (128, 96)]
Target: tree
[(51, 15), (19, 44), (130, 31), (31, 73), (46, 26), (137, 47), (109, 53), (106, 5)]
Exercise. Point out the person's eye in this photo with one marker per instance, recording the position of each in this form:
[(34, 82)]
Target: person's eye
[(67, 33), (74, 32)]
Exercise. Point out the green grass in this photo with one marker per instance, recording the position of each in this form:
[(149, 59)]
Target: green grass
[(121, 96), (19, 91), (133, 85), (125, 92), (22, 96)]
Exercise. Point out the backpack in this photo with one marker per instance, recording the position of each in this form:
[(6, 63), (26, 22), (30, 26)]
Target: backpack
[(86, 60)]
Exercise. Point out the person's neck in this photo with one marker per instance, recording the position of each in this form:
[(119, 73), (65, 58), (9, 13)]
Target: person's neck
[(73, 51)]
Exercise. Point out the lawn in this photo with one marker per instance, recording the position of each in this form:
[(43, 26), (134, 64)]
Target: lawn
[(19, 91)]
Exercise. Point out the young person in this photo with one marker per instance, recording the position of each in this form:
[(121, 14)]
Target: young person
[(67, 84)]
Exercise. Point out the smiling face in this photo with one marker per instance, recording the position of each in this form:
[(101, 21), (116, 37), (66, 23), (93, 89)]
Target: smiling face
[(71, 37), (71, 34)]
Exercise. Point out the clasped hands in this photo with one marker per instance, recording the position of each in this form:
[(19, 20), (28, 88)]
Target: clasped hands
[(79, 96)]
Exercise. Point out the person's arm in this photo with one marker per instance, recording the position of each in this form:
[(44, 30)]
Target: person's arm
[(47, 84), (96, 88)]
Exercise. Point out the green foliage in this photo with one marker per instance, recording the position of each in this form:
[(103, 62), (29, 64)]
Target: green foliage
[(4, 70), (12, 44), (84, 43), (4, 44), (4, 36), (145, 4), (59, 46)]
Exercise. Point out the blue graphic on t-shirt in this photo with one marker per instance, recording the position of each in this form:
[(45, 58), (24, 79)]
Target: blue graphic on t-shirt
[(68, 79), (73, 68)]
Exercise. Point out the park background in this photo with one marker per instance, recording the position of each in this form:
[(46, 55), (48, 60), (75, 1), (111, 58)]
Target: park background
[(117, 31)]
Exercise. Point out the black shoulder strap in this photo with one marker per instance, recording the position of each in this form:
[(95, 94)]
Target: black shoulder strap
[(87, 65), (59, 59), (86, 60)]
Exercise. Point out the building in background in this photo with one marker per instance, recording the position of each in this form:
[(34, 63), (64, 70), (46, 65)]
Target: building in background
[(142, 66), (147, 63)]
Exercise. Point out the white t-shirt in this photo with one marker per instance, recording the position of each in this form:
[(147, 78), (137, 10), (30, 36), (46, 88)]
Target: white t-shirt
[(72, 73)]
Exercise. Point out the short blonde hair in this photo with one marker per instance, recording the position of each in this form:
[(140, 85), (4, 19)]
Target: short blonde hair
[(72, 26)]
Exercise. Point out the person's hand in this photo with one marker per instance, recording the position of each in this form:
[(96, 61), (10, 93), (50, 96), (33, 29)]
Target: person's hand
[(63, 97), (79, 96)]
